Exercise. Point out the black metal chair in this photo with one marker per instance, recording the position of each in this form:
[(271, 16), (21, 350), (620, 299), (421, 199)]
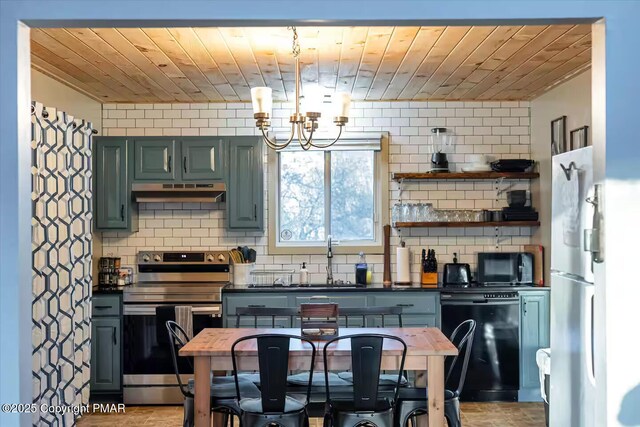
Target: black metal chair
[(413, 401), (223, 389), (274, 406), (378, 316), (369, 315), (272, 313), (365, 404)]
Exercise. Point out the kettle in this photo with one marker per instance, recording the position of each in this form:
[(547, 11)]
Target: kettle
[(456, 274)]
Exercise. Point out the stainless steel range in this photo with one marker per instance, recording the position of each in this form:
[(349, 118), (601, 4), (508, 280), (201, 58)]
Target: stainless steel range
[(191, 279)]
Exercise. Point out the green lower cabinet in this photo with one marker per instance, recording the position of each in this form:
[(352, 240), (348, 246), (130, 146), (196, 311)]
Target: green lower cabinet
[(106, 372), (106, 345), (420, 308), (534, 334)]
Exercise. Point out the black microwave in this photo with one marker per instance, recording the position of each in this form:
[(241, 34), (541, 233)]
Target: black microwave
[(505, 268)]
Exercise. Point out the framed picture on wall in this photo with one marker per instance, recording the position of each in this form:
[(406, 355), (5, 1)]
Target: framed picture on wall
[(558, 135), (578, 138)]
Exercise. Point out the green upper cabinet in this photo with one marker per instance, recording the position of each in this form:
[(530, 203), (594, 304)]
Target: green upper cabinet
[(113, 206), (245, 194), (155, 159), (202, 159), (534, 334)]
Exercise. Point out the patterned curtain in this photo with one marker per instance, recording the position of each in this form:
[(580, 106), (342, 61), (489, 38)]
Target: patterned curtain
[(61, 251)]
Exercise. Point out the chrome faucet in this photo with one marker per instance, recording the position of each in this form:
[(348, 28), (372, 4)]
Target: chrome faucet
[(329, 262)]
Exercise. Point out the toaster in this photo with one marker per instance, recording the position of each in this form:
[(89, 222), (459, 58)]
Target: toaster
[(456, 274)]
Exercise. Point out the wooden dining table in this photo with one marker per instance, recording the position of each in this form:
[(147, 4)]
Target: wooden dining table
[(426, 350)]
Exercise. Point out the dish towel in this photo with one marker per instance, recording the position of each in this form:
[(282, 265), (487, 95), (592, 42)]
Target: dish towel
[(184, 318)]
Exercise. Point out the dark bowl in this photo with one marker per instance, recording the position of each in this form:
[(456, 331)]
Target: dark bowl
[(517, 198)]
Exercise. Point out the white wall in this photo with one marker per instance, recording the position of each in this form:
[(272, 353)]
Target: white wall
[(571, 99), (52, 93), (498, 129)]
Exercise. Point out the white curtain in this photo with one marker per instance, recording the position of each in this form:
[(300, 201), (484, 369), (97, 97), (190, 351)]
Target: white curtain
[(61, 248)]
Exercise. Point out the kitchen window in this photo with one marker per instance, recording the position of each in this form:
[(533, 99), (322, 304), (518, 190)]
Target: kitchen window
[(339, 191)]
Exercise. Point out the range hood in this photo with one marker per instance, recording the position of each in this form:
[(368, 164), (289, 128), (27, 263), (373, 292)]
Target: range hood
[(154, 193)]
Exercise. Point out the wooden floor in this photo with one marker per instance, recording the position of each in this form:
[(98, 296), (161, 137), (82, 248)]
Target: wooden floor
[(473, 415)]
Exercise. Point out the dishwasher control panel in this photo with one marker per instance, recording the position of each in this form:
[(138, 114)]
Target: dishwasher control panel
[(500, 295)]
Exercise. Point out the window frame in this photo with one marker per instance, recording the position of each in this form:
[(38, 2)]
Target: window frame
[(381, 208)]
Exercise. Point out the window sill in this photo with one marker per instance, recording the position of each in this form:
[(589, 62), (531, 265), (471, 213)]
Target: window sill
[(373, 249)]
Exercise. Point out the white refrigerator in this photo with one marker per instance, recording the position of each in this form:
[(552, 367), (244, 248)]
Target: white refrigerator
[(572, 392)]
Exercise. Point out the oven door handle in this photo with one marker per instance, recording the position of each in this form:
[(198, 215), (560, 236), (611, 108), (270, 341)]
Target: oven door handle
[(482, 302), (150, 309)]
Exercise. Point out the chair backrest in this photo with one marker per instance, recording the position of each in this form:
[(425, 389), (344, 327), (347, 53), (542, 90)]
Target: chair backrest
[(177, 340), (367, 313), (273, 363), (266, 312), (366, 360), (462, 338)]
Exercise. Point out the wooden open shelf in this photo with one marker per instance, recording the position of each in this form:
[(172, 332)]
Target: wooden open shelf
[(464, 175), (466, 224)]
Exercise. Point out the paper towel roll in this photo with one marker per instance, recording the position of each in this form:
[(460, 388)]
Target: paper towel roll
[(403, 273)]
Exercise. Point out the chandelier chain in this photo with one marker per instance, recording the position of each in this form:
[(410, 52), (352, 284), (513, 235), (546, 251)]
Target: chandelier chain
[(295, 46)]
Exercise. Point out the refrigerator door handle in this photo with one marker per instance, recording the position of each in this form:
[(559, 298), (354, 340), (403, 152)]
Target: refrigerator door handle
[(588, 334), (592, 236)]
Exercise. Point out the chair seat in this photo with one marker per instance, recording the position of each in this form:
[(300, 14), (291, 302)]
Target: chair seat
[(347, 406), (225, 388), (254, 377), (385, 379), (420, 394), (318, 380), (254, 405)]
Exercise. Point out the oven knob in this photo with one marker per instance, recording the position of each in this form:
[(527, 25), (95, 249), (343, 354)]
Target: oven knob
[(157, 258), (145, 258), (221, 258), (210, 258)]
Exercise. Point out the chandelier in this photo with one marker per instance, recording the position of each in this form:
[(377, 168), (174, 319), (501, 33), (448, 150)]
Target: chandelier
[(305, 123)]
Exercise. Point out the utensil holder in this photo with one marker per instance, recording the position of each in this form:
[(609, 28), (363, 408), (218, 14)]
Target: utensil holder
[(242, 273)]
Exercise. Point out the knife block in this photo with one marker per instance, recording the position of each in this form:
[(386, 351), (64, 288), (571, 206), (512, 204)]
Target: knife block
[(429, 280)]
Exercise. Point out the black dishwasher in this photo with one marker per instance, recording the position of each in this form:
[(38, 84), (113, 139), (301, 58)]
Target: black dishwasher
[(494, 365)]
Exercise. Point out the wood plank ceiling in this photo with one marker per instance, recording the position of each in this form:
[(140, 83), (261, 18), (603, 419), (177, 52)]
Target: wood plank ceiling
[(373, 63)]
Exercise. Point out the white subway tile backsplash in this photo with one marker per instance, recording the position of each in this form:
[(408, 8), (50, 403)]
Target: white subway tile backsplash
[(493, 128)]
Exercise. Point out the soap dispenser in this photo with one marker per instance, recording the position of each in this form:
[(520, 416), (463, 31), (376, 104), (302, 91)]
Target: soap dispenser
[(304, 275)]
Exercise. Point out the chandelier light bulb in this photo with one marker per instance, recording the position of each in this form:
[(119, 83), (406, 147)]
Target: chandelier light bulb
[(341, 104), (262, 100), (313, 98)]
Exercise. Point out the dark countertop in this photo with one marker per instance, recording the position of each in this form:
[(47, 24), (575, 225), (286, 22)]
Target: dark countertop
[(374, 288), (107, 291)]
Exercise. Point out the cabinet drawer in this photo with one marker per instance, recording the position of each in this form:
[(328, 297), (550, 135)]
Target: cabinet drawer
[(105, 305), (418, 303), (232, 303), (354, 301)]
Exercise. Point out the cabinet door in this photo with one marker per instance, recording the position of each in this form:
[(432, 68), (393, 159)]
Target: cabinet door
[(534, 335), (111, 184), (202, 159), (106, 372), (245, 199), (154, 159)]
